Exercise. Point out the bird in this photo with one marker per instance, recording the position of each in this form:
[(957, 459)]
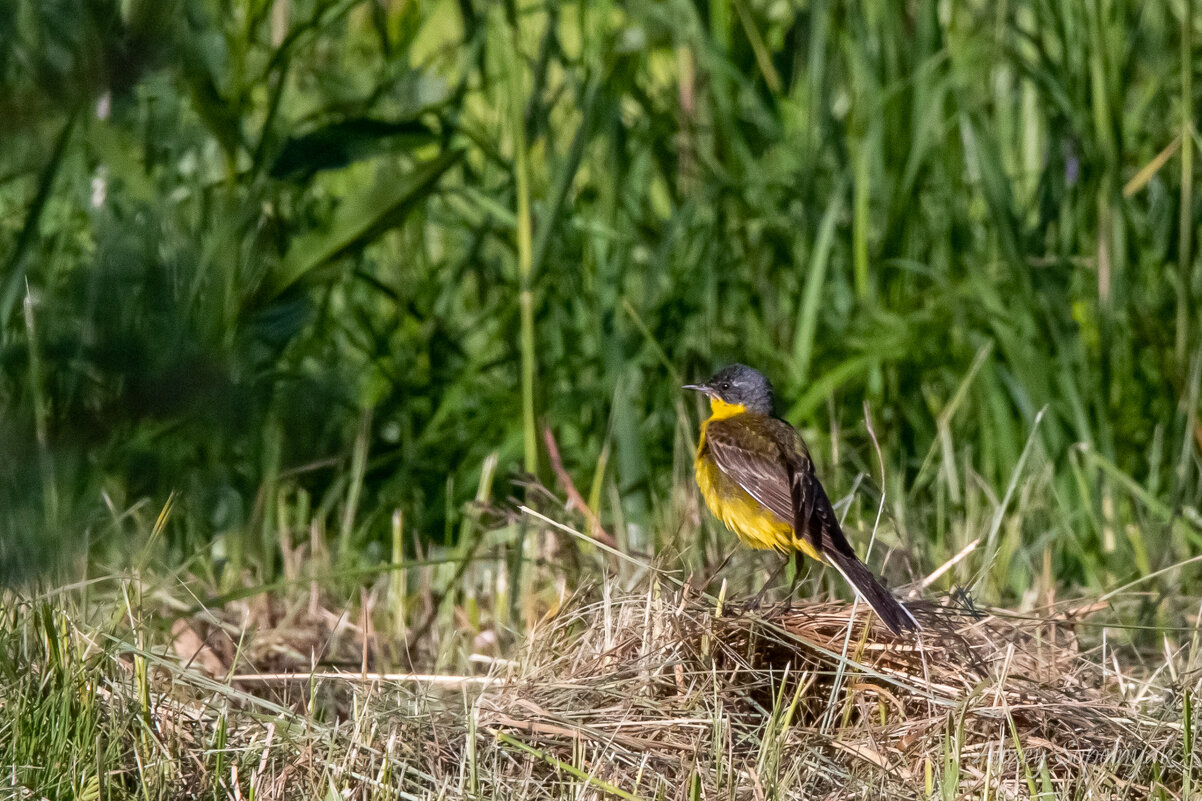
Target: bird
[(756, 476)]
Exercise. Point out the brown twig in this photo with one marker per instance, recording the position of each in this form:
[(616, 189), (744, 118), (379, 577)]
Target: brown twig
[(574, 497)]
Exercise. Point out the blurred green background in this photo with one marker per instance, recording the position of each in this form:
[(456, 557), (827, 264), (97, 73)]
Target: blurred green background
[(314, 260)]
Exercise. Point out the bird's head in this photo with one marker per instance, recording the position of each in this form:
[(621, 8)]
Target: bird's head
[(736, 389)]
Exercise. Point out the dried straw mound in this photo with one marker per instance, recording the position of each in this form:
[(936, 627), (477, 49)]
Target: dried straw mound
[(664, 696)]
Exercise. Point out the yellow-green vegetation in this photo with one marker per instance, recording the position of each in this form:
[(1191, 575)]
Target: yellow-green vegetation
[(345, 337)]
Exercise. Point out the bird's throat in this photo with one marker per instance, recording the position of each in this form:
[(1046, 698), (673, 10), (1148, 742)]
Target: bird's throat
[(720, 409)]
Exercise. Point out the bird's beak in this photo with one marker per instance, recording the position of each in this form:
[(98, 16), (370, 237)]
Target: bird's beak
[(697, 388)]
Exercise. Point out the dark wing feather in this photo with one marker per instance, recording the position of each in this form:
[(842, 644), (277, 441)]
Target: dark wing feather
[(801, 481), (821, 526)]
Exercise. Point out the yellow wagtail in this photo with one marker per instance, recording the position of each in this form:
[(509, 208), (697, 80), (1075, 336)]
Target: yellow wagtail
[(757, 477)]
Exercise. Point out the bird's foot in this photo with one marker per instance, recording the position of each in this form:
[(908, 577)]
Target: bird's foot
[(757, 601)]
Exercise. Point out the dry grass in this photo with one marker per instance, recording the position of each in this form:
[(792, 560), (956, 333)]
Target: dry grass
[(665, 695), (658, 694)]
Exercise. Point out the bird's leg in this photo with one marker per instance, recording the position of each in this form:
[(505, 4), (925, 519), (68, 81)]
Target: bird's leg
[(759, 596), (721, 565), (798, 563)]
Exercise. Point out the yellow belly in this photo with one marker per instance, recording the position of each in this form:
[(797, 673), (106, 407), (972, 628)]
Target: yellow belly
[(755, 524)]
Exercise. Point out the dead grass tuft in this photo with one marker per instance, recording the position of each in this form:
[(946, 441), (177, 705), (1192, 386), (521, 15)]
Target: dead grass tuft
[(661, 693)]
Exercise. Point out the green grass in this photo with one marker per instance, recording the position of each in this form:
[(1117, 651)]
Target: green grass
[(304, 234), (319, 274)]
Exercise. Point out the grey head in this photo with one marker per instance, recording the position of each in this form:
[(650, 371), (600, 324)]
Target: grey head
[(739, 385)]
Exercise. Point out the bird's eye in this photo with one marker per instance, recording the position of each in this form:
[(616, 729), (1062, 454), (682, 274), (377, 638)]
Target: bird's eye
[(725, 385)]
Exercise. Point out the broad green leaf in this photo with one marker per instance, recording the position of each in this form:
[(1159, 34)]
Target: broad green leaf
[(341, 143), (360, 219)]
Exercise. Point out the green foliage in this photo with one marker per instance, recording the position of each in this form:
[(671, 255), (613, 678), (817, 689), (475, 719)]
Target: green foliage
[(249, 231)]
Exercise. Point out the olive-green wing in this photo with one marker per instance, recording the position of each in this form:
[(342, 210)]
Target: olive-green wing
[(766, 457), (746, 449)]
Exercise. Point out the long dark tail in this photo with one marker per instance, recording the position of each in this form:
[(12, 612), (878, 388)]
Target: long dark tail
[(869, 587)]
